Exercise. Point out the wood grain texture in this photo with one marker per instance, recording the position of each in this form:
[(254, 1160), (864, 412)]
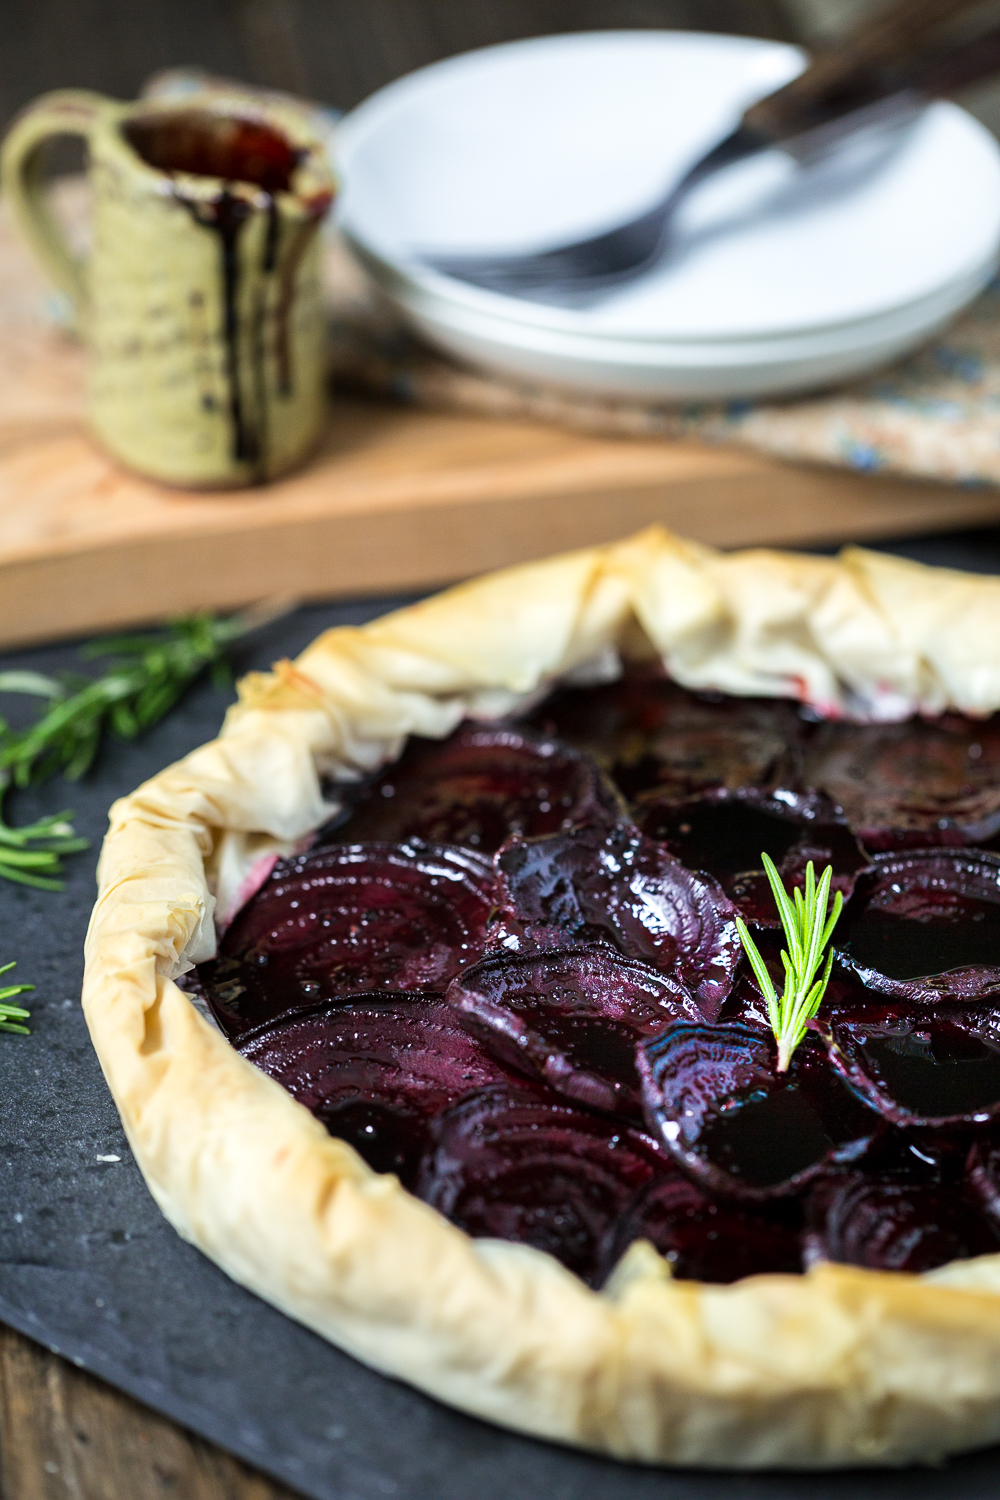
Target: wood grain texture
[(66, 1436), (396, 499)]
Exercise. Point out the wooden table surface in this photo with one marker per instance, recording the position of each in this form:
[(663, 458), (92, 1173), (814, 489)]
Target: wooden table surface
[(66, 1436)]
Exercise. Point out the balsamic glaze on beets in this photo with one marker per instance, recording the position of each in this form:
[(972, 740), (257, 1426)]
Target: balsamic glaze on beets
[(557, 1045)]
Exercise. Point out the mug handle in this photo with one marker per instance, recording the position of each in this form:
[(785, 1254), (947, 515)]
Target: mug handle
[(64, 112)]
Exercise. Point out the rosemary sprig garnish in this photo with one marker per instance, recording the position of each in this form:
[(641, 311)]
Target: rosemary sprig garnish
[(808, 929), (12, 1015)]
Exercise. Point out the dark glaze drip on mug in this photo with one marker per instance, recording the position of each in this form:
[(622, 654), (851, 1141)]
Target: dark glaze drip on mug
[(225, 217)]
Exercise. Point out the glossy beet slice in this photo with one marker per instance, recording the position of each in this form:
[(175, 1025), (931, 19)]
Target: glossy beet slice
[(705, 1239), (375, 1071), (735, 1125), (982, 1172), (571, 1018), (478, 787), (925, 926), (918, 1066), (723, 835), (651, 733), (912, 784), (894, 1223), (529, 1167), (344, 919), (615, 884), (726, 835)]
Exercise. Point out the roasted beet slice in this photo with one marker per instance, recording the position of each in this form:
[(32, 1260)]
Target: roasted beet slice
[(375, 1071), (724, 835), (478, 787), (894, 1222), (344, 919), (727, 834), (527, 1166), (649, 732), (925, 926), (736, 1125), (745, 1003), (571, 1018), (982, 1172), (920, 1066), (913, 784), (615, 884), (706, 1240)]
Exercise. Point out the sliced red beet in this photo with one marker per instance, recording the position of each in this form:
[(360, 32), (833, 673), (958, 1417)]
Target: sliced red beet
[(651, 733), (478, 787), (912, 784), (614, 884), (727, 834), (925, 926), (375, 1071), (344, 919), (529, 1167), (706, 1240), (735, 1125), (745, 1003), (571, 1018), (894, 1222), (982, 1172), (723, 834), (920, 1066)]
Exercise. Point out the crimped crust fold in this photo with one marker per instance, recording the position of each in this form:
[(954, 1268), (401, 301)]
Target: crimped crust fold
[(839, 1366)]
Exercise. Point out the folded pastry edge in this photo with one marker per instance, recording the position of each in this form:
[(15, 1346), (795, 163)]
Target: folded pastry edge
[(836, 1367)]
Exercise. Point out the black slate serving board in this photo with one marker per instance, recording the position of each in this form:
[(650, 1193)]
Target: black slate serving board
[(89, 1268)]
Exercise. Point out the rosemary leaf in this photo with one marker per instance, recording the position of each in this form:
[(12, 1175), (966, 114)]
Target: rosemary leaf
[(12, 1015), (31, 682), (808, 920), (32, 854)]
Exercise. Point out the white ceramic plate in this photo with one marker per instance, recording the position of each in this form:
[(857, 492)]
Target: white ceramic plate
[(537, 142), (675, 372)]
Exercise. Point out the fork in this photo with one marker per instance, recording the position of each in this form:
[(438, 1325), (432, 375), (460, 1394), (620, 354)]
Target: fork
[(876, 75)]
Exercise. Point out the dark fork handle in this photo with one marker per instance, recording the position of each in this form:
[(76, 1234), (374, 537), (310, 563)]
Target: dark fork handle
[(965, 64), (872, 62)]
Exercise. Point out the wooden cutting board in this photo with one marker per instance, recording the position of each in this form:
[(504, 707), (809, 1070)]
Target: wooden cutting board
[(396, 499)]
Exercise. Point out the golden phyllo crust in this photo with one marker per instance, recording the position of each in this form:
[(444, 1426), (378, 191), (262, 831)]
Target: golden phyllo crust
[(838, 1366)]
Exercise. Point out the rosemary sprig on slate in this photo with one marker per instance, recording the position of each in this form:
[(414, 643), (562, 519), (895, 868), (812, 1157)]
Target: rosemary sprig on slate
[(145, 681), (12, 1015), (808, 928), (148, 675), (32, 855)]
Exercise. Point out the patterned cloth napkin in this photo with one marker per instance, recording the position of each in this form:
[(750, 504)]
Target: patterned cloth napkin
[(934, 415)]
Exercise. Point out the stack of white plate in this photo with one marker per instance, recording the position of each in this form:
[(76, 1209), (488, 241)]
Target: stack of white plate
[(779, 277)]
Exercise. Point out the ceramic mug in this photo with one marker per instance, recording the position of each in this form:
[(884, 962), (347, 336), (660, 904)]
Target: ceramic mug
[(200, 300)]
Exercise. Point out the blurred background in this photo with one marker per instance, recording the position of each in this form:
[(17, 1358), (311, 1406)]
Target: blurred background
[(339, 51)]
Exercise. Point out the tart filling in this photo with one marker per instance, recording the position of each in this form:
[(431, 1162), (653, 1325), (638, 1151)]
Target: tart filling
[(511, 974)]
